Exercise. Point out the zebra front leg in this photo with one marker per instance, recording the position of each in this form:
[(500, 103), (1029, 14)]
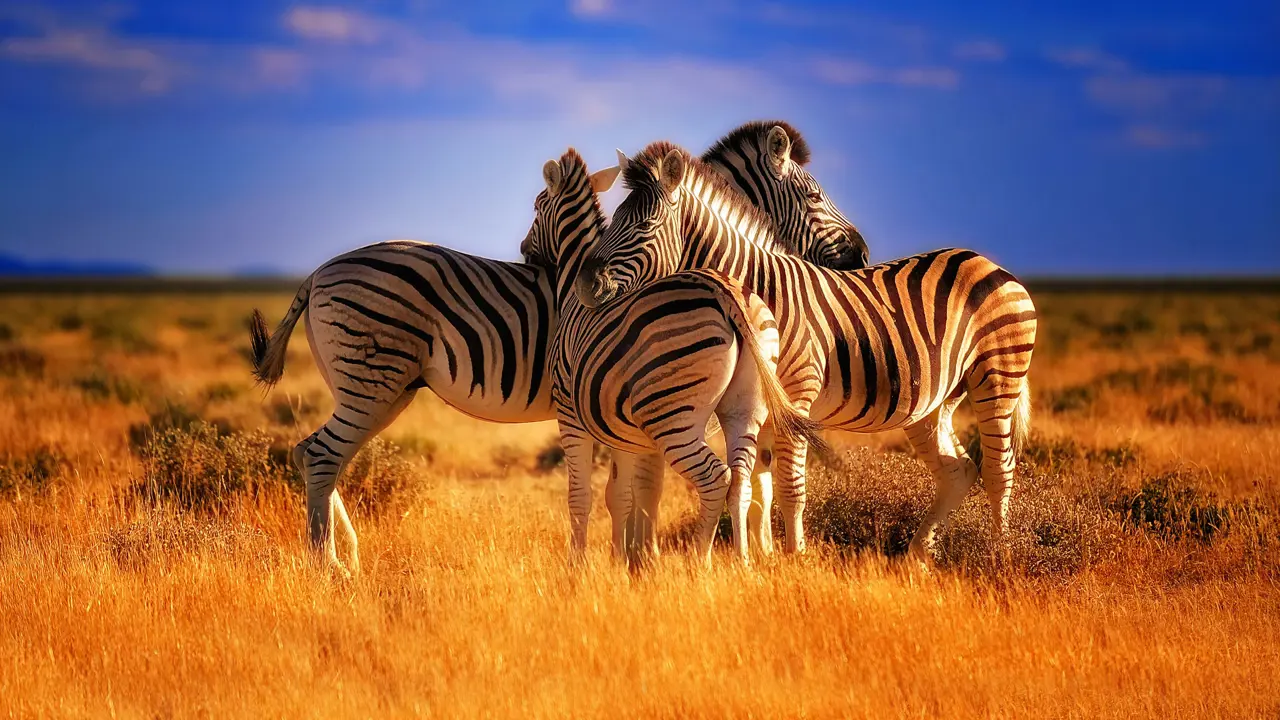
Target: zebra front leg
[(577, 462), (760, 519)]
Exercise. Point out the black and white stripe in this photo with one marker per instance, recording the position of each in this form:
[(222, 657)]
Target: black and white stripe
[(647, 372), (890, 346)]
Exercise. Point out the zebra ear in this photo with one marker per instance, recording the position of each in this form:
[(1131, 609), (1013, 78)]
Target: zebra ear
[(778, 144), (551, 173), (671, 171), (602, 180), (623, 162)]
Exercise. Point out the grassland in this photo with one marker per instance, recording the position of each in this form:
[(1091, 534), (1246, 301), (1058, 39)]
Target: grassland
[(152, 563)]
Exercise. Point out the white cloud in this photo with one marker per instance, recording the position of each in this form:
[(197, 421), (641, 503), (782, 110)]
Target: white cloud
[(1155, 137), (590, 8), (858, 72), (1086, 58), (1146, 94), (97, 49), (332, 24), (980, 50)]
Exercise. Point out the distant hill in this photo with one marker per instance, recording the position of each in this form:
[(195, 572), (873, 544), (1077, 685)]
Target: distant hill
[(11, 266)]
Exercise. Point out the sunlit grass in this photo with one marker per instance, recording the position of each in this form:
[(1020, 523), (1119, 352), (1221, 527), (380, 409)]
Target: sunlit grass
[(152, 561)]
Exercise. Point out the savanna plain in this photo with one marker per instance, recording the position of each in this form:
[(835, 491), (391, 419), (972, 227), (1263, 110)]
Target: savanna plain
[(152, 559)]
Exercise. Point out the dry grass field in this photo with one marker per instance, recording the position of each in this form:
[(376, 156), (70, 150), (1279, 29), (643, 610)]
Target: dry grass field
[(152, 561)]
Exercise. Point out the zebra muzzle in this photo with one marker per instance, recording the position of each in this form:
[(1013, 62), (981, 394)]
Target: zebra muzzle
[(594, 286)]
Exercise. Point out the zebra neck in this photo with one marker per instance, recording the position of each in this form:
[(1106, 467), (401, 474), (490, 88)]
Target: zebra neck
[(712, 213), (575, 247)]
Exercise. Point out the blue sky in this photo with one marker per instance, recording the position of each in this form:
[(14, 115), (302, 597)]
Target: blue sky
[(206, 137)]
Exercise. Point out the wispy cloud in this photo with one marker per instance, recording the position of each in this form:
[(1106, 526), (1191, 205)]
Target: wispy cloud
[(980, 50), (97, 49), (1154, 137), (1146, 94), (333, 24), (857, 72), (1086, 58), (591, 8)]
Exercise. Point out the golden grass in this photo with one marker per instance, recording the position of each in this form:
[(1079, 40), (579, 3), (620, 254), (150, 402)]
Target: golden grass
[(114, 604)]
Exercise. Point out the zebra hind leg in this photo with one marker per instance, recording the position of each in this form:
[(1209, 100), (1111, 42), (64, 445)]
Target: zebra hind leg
[(953, 475), (325, 455), (646, 479), (690, 456), (999, 405)]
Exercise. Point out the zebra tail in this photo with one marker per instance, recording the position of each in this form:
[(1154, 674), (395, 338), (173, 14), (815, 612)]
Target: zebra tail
[(268, 349), (787, 421), (1021, 426)]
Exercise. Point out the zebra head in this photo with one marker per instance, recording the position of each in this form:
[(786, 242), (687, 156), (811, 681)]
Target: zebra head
[(765, 161), (644, 241), (566, 215)]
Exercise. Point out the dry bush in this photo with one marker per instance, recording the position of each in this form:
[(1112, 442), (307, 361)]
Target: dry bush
[(879, 502), (100, 385), (33, 474), (19, 361), (196, 466), (380, 481)]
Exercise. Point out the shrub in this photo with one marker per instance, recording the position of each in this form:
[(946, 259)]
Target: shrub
[(197, 467), (31, 474), (21, 361), (878, 502), (100, 385), (379, 481), (7, 333), (1172, 508), (70, 322), (121, 331), (551, 457), (222, 392)]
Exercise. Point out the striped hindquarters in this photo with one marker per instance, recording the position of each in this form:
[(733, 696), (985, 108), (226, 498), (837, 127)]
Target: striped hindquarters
[(403, 314), (901, 337)]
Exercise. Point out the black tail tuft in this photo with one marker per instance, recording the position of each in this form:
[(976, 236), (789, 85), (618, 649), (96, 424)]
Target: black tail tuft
[(260, 340)]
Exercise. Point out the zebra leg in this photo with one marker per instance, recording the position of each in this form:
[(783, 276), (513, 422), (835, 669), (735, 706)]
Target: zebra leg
[(995, 402), (953, 475), (577, 461), (646, 478), (790, 456), (741, 432), (619, 498), (760, 518), (689, 455), (328, 452)]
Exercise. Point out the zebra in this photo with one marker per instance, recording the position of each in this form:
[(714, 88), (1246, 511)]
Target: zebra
[(647, 372), (389, 319), (893, 345)]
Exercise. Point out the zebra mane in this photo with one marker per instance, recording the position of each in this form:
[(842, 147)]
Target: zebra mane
[(642, 174), (572, 165), (752, 135)]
